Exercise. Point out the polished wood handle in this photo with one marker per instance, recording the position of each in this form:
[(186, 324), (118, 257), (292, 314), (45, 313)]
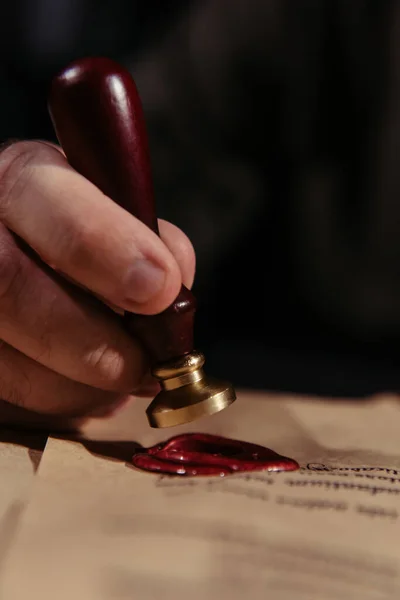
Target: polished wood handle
[(98, 118)]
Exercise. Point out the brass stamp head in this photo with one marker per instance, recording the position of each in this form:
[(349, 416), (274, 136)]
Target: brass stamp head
[(187, 393)]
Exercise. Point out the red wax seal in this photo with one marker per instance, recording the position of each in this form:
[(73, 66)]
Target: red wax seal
[(194, 454)]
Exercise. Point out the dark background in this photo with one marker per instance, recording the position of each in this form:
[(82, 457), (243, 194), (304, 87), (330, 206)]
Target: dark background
[(275, 138)]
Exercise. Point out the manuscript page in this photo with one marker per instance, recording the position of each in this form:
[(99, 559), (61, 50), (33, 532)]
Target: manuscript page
[(96, 528)]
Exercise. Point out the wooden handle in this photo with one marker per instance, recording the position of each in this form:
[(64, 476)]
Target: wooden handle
[(98, 119)]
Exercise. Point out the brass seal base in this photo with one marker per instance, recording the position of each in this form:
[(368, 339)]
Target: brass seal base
[(187, 393)]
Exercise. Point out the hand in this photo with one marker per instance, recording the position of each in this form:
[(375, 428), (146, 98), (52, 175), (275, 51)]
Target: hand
[(63, 352)]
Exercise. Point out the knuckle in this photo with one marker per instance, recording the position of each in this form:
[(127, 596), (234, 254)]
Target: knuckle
[(13, 395), (75, 245), (106, 362), (15, 171)]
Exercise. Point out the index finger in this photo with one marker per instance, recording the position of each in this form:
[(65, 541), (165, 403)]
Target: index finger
[(81, 232)]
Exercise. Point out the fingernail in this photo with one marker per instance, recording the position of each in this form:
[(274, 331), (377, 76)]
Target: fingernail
[(145, 281)]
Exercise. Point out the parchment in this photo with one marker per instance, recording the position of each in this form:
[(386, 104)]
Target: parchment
[(20, 454), (96, 528)]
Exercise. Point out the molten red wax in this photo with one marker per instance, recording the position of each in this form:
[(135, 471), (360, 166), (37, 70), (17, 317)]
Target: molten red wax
[(193, 454)]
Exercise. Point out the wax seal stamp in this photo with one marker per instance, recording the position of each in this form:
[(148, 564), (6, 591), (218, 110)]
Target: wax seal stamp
[(97, 115)]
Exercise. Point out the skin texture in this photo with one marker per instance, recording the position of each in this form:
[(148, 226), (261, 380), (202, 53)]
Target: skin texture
[(71, 261)]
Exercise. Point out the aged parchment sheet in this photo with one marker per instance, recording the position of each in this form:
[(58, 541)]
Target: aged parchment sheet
[(96, 528)]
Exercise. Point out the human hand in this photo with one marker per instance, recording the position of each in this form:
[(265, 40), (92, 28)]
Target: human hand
[(63, 353)]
